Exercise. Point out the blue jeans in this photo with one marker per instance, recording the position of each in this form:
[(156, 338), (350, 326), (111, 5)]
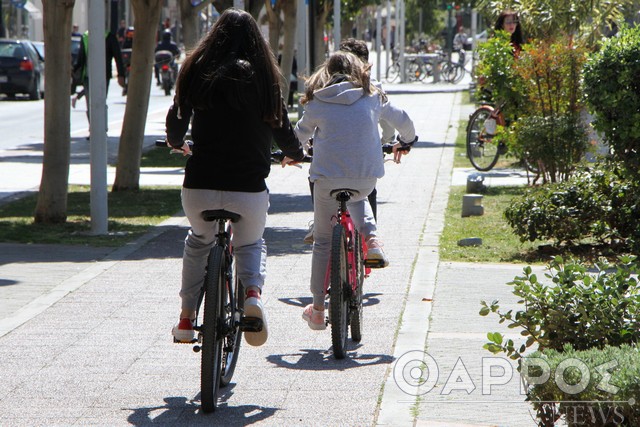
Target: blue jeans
[(248, 245)]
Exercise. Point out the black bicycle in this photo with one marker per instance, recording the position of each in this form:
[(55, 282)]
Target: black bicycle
[(219, 319)]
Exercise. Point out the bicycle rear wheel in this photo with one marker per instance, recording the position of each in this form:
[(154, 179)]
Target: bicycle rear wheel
[(393, 73), (339, 292), (233, 303), (483, 153), (211, 363), (356, 298)]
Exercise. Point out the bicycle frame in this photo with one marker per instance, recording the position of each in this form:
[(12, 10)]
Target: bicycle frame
[(343, 217)]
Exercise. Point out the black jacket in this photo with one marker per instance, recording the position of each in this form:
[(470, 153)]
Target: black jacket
[(232, 142), (112, 51)]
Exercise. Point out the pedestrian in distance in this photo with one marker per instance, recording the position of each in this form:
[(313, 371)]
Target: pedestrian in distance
[(113, 54), (341, 112), (228, 87), (508, 21)]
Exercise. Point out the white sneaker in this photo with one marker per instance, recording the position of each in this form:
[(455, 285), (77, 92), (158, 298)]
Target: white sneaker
[(308, 238), (253, 308), (376, 257)]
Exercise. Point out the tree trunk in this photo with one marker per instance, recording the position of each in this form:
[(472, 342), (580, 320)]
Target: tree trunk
[(254, 7), (275, 25), (320, 48), (51, 206), (289, 7), (146, 16), (189, 21)]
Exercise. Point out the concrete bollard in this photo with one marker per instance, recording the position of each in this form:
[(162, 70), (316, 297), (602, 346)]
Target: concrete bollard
[(472, 205)]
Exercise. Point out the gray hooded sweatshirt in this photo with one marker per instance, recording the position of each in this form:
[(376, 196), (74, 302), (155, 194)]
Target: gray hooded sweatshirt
[(343, 122)]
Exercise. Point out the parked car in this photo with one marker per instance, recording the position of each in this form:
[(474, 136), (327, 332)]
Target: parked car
[(21, 69)]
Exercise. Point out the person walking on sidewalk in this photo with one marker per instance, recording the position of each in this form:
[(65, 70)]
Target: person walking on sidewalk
[(230, 85), (341, 113)]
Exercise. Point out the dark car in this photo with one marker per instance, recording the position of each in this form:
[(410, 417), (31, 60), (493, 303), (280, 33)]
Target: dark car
[(21, 69)]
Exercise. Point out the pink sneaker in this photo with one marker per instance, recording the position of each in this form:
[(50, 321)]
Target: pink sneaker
[(315, 318), (376, 257), (183, 332)]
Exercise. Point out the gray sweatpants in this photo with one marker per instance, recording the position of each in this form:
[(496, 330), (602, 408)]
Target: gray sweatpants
[(248, 245), (324, 209)]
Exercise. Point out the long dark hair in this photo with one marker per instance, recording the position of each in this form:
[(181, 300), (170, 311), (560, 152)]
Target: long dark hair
[(233, 49), (517, 39)]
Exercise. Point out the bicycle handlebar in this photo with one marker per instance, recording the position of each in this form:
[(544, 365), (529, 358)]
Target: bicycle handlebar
[(277, 156)]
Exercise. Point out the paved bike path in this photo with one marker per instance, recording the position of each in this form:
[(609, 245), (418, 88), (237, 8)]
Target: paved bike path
[(102, 354)]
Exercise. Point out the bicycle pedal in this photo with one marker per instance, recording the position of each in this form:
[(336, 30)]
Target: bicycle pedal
[(251, 324), (374, 263), (176, 341)]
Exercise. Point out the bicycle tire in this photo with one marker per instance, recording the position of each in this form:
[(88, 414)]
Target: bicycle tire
[(393, 73), (211, 341), (233, 303), (459, 74), (356, 299), (447, 72), (339, 292), (427, 71), (481, 151)]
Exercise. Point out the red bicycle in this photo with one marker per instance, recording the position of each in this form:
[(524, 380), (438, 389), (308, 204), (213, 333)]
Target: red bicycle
[(348, 267)]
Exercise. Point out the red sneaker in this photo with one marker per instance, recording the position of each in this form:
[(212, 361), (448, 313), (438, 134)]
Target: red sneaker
[(183, 332)]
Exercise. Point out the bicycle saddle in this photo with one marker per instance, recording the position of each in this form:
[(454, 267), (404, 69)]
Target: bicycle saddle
[(344, 193), (215, 214)]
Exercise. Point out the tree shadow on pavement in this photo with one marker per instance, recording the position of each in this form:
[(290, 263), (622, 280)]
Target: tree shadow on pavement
[(285, 241), (284, 203)]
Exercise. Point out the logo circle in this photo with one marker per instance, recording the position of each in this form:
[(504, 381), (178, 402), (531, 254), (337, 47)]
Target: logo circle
[(416, 373)]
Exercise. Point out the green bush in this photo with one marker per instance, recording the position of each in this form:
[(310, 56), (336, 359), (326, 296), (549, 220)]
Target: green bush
[(578, 307), (612, 89), (600, 202), (556, 142), (610, 397), (497, 73), (549, 128)]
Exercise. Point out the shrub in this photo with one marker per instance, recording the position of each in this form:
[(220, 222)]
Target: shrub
[(605, 393), (600, 202), (612, 89), (497, 74), (578, 307), (549, 129)]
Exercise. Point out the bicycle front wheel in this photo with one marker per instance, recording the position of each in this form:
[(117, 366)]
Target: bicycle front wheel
[(356, 298), (393, 73), (483, 153), (211, 363), (339, 292)]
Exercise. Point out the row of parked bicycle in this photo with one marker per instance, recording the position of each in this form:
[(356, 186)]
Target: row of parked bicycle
[(429, 67)]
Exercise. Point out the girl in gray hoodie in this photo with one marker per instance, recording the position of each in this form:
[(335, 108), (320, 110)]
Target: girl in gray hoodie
[(341, 113)]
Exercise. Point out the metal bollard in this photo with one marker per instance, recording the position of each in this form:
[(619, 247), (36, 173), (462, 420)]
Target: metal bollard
[(475, 183)]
